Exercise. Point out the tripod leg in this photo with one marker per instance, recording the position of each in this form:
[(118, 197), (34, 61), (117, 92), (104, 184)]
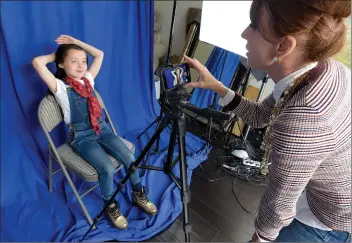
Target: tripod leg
[(185, 192), (170, 152), (156, 120), (209, 130), (157, 141), (145, 162)]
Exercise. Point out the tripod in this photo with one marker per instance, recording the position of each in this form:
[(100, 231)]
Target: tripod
[(176, 118), (158, 118)]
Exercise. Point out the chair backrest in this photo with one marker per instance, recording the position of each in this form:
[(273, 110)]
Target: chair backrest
[(50, 114), (101, 102)]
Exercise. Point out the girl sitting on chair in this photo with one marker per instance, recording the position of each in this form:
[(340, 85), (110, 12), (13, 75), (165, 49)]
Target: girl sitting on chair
[(90, 137)]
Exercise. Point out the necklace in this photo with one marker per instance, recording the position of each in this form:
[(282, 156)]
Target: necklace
[(266, 146)]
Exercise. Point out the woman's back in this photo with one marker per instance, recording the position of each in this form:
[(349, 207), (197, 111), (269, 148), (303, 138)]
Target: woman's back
[(329, 190), (317, 122)]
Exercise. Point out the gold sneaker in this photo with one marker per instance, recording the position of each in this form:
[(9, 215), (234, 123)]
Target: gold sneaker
[(116, 216), (140, 199)]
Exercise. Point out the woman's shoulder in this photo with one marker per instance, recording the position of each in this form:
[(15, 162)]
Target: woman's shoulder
[(338, 64), (328, 85), (333, 67), (327, 73)]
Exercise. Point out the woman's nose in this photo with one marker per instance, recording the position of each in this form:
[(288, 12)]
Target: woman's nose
[(244, 33)]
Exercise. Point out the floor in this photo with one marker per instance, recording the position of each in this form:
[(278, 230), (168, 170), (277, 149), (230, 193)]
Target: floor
[(215, 214)]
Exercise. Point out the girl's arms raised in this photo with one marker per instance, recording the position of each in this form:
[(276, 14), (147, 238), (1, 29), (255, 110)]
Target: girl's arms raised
[(97, 54)]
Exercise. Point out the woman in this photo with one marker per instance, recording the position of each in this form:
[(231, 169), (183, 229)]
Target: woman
[(308, 139), (90, 136)]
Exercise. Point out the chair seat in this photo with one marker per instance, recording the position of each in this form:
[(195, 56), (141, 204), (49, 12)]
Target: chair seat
[(76, 163)]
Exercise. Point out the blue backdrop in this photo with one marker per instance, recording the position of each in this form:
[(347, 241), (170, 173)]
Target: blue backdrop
[(124, 31), (222, 64)]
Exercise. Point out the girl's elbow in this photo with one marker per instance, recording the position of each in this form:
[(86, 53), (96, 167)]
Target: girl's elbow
[(35, 62), (101, 54)]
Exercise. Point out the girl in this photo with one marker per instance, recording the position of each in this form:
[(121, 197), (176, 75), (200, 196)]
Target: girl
[(308, 118), (90, 136)]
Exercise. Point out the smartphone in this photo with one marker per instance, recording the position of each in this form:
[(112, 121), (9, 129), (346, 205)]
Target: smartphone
[(176, 75)]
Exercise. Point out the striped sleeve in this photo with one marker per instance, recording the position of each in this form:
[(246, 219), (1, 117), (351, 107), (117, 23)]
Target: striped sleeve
[(253, 113), (301, 141)]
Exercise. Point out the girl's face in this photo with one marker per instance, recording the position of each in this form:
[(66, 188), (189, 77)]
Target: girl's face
[(75, 64), (178, 71)]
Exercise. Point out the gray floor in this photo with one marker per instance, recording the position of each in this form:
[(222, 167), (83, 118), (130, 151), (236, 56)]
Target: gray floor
[(215, 214)]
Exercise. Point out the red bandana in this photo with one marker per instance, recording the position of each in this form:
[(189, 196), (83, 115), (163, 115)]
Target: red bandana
[(86, 91)]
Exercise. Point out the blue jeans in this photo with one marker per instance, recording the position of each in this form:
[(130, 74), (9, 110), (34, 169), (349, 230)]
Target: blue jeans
[(299, 232), (94, 148)]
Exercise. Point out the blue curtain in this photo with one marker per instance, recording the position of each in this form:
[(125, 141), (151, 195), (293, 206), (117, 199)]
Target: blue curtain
[(124, 31), (222, 65)]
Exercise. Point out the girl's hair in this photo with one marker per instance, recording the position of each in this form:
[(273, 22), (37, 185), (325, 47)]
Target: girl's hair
[(60, 54), (318, 25)]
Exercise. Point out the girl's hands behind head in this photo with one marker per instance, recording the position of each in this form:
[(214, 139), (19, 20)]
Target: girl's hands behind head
[(65, 39)]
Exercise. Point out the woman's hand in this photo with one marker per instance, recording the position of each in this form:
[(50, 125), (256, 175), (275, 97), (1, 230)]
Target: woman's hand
[(206, 79), (65, 39), (255, 238)]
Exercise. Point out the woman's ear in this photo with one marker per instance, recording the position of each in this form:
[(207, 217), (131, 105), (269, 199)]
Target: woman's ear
[(61, 65), (286, 46)]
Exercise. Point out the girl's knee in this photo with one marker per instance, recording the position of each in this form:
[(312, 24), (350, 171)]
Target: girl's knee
[(130, 158), (108, 169)]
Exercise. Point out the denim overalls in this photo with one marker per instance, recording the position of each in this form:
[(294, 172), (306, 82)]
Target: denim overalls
[(94, 148)]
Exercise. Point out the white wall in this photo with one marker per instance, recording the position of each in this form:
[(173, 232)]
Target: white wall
[(164, 7)]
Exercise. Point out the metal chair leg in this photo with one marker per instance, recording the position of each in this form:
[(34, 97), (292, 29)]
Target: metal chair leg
[(89, 190), (77, 196), (50, 173)]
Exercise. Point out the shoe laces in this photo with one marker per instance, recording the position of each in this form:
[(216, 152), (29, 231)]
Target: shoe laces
[(143, 196), (114, 211)]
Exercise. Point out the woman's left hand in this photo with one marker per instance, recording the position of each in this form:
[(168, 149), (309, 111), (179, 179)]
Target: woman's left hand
[(255, 238), (65, 39)]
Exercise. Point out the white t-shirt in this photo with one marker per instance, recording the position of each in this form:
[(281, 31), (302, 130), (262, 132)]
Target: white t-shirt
[(62, 97)]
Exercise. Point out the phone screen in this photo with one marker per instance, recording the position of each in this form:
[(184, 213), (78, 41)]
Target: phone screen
[(177, 75)]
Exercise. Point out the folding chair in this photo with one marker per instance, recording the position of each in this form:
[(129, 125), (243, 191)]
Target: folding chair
[(50, 115)]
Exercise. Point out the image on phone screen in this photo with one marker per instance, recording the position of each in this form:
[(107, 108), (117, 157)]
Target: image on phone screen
[(176, 76)]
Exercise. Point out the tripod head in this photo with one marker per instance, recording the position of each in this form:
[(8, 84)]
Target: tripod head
[(176, 99)]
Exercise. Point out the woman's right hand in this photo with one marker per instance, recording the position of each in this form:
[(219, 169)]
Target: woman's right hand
[(206, 79)]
